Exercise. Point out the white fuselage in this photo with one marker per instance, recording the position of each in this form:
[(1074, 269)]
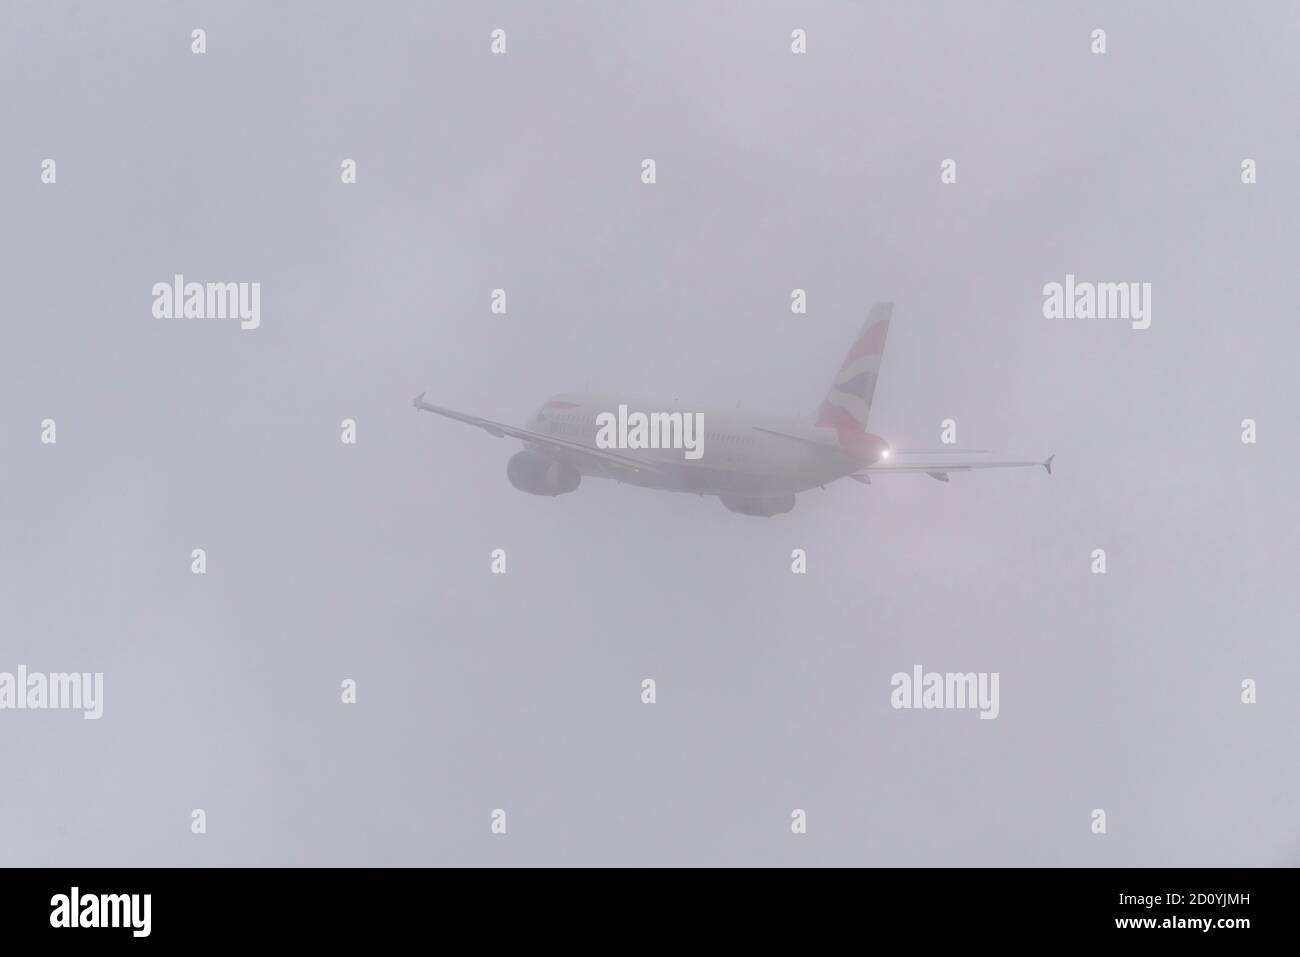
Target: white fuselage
[(740, 454)]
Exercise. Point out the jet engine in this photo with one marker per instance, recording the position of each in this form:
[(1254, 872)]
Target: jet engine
[(767, 507), (539, 474)]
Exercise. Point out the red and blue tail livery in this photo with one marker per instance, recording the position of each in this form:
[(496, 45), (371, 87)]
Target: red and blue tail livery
[(755, 465)]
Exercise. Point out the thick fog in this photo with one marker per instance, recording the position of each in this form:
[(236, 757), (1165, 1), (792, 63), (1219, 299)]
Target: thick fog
[(371, 562)]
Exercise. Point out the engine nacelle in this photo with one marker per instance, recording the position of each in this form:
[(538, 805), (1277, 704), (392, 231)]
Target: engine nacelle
[(767, 507), (541, 475)]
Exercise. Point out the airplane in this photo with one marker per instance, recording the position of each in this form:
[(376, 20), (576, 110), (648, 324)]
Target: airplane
[(755, 465)]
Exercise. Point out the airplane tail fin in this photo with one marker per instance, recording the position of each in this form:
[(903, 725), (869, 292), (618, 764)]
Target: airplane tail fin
[(848, 403)]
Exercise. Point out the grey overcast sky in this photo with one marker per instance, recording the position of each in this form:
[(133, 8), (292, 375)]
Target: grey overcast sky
[(522, 692)]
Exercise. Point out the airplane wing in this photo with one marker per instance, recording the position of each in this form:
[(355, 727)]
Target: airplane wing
[(940, 470), (501, 430), (948, 451)]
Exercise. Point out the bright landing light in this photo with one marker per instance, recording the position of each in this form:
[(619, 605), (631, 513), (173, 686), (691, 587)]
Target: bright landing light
[(884, 453)]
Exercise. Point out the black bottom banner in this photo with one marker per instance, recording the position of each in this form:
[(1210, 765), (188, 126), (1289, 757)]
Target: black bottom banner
[(338, 906)]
